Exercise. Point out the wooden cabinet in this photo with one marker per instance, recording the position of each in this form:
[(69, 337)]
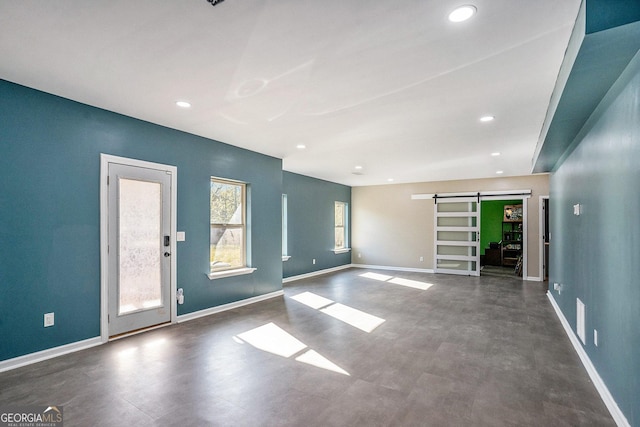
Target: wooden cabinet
[(511, 242)]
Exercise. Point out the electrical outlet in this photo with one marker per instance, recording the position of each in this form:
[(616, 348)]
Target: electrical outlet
[(314, 261), (49, 319), (421, 259), (359, 255)]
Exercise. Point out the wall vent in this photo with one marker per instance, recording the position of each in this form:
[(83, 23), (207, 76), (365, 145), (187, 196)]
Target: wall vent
[(580, 327)]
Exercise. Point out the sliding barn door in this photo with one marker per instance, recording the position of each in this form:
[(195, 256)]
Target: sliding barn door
[(457, 236)]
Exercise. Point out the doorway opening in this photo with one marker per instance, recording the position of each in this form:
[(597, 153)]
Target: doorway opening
[(545, 236), (502, 238)]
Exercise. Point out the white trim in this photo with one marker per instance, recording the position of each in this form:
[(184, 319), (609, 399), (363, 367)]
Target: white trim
[(385, 267), (49, 353), (229, 306), (315, 273), (230, 273), (341, 251), (286, 257), (533, 278), (105, 159), (608, 400)]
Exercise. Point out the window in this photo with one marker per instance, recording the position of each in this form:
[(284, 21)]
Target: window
[(228, 234), (341, 227), (285, 256)]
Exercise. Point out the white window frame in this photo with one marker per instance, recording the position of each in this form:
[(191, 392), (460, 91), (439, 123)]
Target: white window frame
[(345, 228), (228, 271)]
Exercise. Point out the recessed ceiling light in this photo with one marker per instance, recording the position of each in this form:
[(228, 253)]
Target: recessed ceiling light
[(496, 154), (487, 118), (301, 146), (183, 104), (499, 172), (358, 167), (462, 13), (390, 180)]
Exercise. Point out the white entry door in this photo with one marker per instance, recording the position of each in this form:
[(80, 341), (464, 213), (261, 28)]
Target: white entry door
[(457, 236), (139, 247)]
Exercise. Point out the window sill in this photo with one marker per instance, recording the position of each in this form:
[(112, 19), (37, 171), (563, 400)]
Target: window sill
[(230, 273), (341, 251), (285, 257)]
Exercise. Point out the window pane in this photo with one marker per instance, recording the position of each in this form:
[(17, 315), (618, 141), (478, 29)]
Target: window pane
[(228, 233), (339, 237), (339, 212), (227, 247), (226, 203)]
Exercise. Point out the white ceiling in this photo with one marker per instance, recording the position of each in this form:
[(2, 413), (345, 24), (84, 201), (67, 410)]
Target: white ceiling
[(392, 86)]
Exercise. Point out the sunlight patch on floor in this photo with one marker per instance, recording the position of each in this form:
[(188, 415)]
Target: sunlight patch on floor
[(312, 300), (273, 339), (411, 283), (313, 358), (356, 318), (376, 276), (416, 284)]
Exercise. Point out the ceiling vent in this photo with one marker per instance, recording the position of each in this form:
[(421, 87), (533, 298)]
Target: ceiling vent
[(215, 2)]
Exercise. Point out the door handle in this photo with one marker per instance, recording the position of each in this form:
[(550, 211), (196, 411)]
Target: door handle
[(167, 254)]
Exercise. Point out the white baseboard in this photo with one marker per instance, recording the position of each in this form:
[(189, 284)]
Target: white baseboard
[(384, 267), (533, 278), (230, 306), (608, 400), (316, 273), (49, 353)]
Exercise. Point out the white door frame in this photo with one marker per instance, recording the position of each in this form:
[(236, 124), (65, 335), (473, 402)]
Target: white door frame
[(105, 160), (525, 228), (541, 230)]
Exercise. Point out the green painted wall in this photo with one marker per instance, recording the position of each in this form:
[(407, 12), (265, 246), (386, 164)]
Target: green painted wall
[(491, 216), (311, 223), (50, 214), (595, 256)]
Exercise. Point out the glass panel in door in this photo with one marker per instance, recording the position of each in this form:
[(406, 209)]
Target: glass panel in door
[(457, 236), (140, 236)]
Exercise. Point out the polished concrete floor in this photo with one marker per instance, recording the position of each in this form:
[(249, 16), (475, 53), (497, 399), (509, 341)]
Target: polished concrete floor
[(354, 348)]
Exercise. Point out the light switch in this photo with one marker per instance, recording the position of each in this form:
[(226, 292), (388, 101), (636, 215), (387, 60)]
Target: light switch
[(180, 236)]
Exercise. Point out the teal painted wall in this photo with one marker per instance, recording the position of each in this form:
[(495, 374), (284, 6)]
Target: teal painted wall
[(595, 256), (604, 14), (491, 216), (311, 223), (50, 214)]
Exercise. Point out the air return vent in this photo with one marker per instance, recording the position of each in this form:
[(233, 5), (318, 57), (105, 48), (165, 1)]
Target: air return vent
[(580, 327)]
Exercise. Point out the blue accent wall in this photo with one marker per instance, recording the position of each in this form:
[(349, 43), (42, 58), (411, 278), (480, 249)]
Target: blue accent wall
[(311, 223), (596, 255), (50, 214), (604, 14)]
